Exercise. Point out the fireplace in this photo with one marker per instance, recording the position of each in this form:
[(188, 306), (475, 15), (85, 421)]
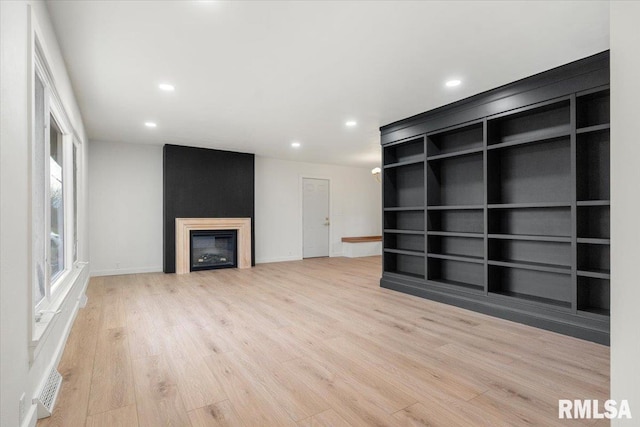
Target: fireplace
[(211, 249), (185, 226)]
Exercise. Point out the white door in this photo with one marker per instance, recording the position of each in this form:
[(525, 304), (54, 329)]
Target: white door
[(315, 217)]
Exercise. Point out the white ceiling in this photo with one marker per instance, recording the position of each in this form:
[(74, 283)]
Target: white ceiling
[(255, 76)]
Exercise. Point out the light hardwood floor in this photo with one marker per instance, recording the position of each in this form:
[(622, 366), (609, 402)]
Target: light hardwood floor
[(309, 343)]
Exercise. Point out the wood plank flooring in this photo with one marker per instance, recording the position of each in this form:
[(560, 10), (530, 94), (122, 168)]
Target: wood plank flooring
[(309, 343)]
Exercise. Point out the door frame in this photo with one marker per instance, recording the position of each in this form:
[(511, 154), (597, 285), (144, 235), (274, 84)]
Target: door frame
[(301, 205)]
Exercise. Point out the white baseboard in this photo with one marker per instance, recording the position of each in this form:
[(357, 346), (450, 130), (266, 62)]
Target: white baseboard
[(290, 258), (278, 259), (65, 335), (31, 417), (134, 270)]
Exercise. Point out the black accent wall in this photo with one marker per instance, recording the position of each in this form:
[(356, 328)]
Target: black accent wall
[(203, 183)]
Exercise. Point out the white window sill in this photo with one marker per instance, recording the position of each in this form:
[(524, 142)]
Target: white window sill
[(48, 311)]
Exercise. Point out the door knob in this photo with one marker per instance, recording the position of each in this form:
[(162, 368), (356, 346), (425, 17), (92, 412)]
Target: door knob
[(326, 223)]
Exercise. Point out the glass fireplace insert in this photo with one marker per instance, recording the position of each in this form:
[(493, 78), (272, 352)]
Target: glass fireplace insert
[(211, 249)]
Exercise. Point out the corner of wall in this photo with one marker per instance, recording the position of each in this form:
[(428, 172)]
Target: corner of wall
[(625, 204)]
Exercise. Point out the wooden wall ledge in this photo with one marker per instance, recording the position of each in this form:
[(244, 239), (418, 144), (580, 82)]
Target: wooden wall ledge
[(362, 239)]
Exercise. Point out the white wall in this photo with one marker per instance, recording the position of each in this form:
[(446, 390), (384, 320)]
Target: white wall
[(355, 199), (125, 208), (17, 374), (625, 206)]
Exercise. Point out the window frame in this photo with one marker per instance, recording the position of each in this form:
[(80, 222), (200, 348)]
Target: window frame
[(43, 313), (76, 173), (67, 200), (52, 111)]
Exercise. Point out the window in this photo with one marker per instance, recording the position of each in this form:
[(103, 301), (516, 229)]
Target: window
[(54, 195), (56, 202), (38, 193), (75, 203)]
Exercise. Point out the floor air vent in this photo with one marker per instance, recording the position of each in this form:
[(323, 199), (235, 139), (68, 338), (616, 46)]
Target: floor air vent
[(48, 394)]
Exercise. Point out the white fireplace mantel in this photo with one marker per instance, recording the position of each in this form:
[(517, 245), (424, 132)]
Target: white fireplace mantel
[(184, 226)]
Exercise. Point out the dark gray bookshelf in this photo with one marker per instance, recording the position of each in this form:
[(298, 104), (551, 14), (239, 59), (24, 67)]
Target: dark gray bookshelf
[(404, 208), (411, 266), (457, 140), (404, 185), (455, 181), (538, 254), (594, 258), (464, 246), (405, 151), (412, 220), (500, 203), (593, 296), (542, 222), (404, 241), (461, 274), (592, 108)]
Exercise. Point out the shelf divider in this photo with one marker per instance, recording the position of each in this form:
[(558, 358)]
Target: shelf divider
[(455, 234), (595, 128), (549, 268), (559, 239), (603, 274), (459, 285), (399, 231), (529, 205), (404, 252), (531, 298), (531, 140), (404, 163), (594, 202), (455, 154), (594, 241), (574, 204), (461, 258), (454, 207), (402, 209)]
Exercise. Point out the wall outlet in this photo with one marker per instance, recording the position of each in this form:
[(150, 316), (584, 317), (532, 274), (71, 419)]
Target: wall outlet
[(22, 408)]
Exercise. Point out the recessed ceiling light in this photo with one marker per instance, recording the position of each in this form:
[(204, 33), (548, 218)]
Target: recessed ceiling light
[(351, 123), (453, 83), (150, 124), (166, 87), (295, 144)]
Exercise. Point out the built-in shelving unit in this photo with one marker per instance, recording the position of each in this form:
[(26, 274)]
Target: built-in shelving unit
[(455, 207), (506, 210), (404, 208), (593, 202)]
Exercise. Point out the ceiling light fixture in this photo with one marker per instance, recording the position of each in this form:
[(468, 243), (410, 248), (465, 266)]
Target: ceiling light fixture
[(166, 87), (351, 123), (150, 124), (453, 83), (295, 144)]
